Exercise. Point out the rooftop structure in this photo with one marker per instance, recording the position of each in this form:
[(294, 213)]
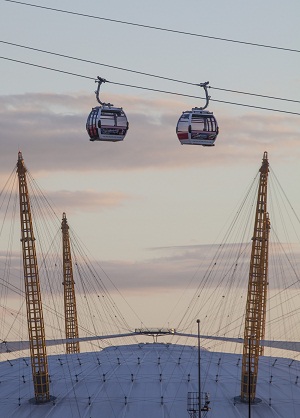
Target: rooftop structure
[(148, 380)]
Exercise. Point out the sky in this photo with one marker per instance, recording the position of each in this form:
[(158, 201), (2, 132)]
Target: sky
[(146, 202)]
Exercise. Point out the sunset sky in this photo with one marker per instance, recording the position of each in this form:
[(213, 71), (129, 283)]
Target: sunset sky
[(144, 204)]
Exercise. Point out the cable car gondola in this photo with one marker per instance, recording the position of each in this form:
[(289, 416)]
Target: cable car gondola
[(106, 122), (198, 126)]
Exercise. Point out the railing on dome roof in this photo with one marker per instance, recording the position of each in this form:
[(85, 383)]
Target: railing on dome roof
[(198, 402), (193, 404), (155, 332)]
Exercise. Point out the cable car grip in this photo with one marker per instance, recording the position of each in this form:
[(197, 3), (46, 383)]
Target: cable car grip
[(101, 80), (204, 85)]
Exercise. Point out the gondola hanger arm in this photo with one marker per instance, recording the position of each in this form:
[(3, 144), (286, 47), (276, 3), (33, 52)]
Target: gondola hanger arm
[(101, 80), (204, 85)]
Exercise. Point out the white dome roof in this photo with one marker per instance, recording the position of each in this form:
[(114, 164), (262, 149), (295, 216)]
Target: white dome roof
[(148, 381)]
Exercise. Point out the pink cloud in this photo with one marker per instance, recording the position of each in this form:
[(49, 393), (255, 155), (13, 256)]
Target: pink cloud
[(87, 200), (50, 130)]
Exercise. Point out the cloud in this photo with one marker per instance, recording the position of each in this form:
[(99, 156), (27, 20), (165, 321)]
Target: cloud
[(87, 200), (71, 201), (175, 281), (50, 131), (198, 267), (185, 267)]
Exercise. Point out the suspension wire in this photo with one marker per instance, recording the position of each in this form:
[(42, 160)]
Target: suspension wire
[(82, 250), (99, 63), (39, 199), (284, 194), (144, 73), (47, 68), (42, 207), (36, 196), (48, 308), (150, 89), (11, 204), (189, 314), (253, 94), (91, 272), (156, 27), (234, 323)]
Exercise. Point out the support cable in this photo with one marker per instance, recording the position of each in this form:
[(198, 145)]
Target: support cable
[(216, 38), (144, 73), (151, 89)]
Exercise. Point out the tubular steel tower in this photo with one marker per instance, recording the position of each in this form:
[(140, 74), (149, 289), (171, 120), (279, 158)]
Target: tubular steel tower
[(257, 290), (35, 320), (71, 324)]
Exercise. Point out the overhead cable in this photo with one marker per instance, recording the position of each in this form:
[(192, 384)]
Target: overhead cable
[(156, 27), (150, 89), (96, 62), (255, 94), (144, 73)]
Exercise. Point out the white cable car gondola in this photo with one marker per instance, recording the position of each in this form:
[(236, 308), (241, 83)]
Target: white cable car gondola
[(106, 122), (198, 126)]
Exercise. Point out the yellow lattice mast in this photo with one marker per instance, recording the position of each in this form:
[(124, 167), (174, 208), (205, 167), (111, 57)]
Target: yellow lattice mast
[(257, 290), (35, 318), (71, 324)]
